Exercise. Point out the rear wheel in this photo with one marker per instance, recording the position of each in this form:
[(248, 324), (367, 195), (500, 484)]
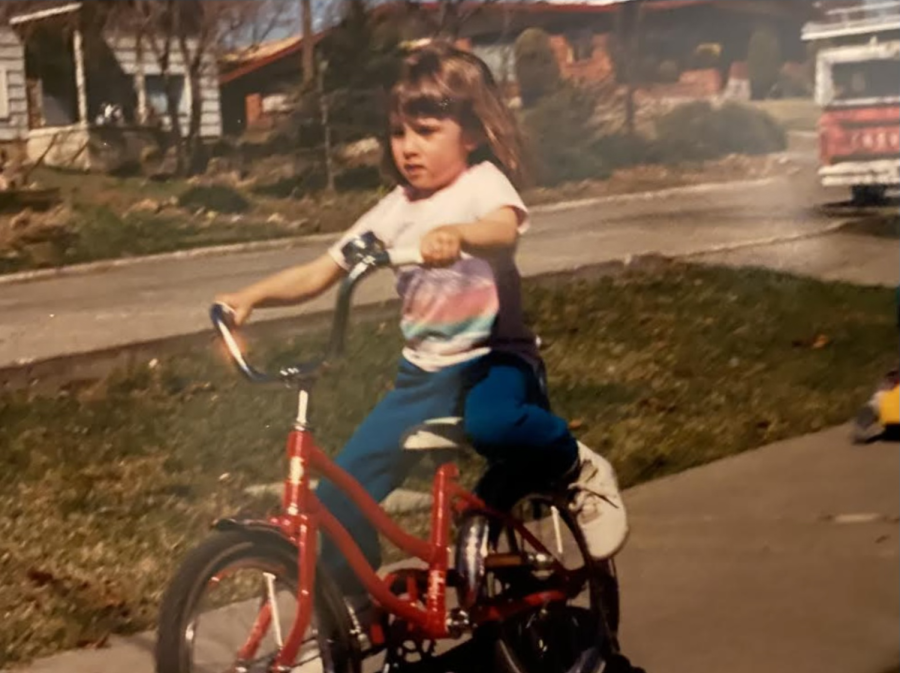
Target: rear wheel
[(576, 635), (231, 606)]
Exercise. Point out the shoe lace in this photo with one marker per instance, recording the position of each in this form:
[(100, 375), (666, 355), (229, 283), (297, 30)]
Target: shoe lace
[(583, 496)]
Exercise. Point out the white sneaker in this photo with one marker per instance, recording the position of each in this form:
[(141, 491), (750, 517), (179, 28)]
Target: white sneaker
[(597, 504)]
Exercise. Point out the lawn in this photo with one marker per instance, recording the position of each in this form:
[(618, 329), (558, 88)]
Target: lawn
[(106, 484), (109, 217)]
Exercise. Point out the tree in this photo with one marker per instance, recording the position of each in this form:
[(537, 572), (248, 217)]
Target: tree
[(764, 61), (628, 38), (195, 32), (537, 71)]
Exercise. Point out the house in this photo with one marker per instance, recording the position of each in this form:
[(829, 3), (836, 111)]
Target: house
[(689, 46), (256, 84), (75, 95)]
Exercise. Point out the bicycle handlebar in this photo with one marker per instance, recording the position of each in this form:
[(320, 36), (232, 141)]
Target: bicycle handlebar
[(222, 317)]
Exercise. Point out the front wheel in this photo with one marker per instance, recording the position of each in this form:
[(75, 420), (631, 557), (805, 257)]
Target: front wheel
[(573, 636), (231, 605)]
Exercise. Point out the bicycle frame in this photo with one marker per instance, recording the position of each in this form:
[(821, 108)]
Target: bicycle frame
[(303, 515)]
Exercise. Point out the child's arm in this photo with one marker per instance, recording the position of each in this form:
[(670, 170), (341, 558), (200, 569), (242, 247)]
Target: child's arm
[(291, 286), (496, 231)]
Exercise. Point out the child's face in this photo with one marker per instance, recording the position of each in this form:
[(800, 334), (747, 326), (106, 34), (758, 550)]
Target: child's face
[(430, 152)]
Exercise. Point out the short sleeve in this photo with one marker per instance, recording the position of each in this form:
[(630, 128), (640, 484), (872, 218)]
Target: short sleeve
[(375, 220), (493, 191)]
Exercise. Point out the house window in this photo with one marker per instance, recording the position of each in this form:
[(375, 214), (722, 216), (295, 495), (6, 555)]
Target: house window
[(581, 46), (4, 94), (157, 104)]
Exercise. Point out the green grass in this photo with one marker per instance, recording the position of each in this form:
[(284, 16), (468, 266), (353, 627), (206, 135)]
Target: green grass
[(102, 226), (105, 485)]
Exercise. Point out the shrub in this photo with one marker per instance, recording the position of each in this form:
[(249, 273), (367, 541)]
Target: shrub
[(747, 130), (764, 61), (361, 177), (668, 72), (560, 132), (219, 198), (618, 150), (537, 71), (312, 179), (697, 131), (706, 56)]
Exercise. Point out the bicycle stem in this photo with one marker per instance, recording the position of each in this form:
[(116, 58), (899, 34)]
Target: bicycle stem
[(342, 309)]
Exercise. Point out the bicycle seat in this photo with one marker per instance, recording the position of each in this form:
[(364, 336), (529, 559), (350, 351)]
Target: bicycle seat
[(438, 434)]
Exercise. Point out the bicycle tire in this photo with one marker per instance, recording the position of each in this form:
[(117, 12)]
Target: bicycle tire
[(599, 622), (221, 556)]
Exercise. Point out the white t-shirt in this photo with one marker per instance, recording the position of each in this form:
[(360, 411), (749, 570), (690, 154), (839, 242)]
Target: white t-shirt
[(457, 313)]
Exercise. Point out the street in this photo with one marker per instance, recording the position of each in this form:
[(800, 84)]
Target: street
[(737, 223)]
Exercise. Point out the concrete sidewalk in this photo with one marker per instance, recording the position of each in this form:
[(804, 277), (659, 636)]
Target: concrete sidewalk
[(782, 560)]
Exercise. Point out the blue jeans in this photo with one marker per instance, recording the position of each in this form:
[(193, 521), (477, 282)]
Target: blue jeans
[(507, 420)]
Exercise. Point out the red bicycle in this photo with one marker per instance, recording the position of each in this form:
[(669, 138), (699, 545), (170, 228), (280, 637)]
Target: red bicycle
[(252, 598)]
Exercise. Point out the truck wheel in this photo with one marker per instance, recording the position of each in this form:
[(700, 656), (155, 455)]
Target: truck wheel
[(868, 195)]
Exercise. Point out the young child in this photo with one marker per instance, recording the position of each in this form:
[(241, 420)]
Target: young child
[(453, 149)]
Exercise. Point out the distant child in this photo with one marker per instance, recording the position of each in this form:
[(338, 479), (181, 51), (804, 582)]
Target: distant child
[(453, 150)]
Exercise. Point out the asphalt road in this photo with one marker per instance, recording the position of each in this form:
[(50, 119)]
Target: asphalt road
[(73, 314)]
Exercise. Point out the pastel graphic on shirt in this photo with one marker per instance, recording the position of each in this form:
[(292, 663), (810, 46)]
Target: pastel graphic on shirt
[(448, 311)]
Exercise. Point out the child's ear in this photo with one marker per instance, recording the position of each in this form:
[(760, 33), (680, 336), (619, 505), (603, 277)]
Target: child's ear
[(471, 142)]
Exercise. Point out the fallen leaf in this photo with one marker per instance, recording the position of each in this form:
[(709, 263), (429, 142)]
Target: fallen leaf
[(40, 577), (820, 341), (576, 424)]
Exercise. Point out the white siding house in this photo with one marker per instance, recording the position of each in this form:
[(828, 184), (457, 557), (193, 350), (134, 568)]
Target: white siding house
[(56, 83), (13, 103)]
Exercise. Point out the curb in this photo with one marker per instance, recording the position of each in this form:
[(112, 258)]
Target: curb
[(300, 241), (762, 242), (703, 188), (213, 251)]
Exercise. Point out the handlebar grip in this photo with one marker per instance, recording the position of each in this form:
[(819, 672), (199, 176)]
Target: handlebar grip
[(223, 319), (405, 257)]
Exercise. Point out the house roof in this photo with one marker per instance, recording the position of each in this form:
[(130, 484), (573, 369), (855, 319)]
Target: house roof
[(247, 61), (260, 51), (45, 13)]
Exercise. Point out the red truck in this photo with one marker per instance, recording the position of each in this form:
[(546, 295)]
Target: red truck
[(858, 88)]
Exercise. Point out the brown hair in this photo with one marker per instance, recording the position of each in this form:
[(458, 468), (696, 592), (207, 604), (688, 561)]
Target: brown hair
[(439, 80)]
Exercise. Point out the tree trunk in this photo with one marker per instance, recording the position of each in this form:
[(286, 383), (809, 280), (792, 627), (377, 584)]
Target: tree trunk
[(309, 64), (326, 128), (194, 141), (632, 24), (174, 114)]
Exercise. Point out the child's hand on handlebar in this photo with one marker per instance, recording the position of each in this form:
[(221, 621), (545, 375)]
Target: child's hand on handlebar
[(441, 246), (239, 304)]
